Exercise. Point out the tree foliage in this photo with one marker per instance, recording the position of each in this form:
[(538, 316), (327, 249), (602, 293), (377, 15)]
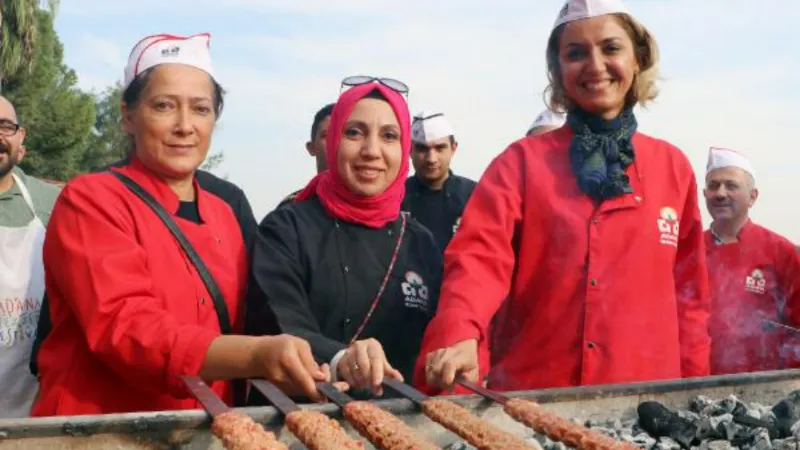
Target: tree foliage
[(19, 33), (57, 115)]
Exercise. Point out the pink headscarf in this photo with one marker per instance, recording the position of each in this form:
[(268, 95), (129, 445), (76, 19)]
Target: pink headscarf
[(375, 211)]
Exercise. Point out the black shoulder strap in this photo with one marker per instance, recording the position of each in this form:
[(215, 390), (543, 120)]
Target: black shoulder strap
[(202, 270)]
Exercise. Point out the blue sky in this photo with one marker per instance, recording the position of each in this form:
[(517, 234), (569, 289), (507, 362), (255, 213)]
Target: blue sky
[(727, 67)]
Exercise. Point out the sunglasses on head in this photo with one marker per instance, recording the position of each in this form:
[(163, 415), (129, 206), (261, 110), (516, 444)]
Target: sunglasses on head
[(422, 118), (391, 83)]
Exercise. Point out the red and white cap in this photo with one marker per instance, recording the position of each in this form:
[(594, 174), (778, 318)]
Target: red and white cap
[(719, 158), (166, 48), (430, 126), (548, 118), (586, 9)]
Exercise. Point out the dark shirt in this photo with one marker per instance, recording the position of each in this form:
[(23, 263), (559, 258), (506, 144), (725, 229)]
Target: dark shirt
[(439, 211), (319, 276)]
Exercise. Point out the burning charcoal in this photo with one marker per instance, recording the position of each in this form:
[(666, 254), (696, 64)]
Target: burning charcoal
[(629, 423), (700, 403), (729, 430), (689, 415), (716, 445), (659, 421), (731, 404), (761, 441), (706, 429), (716, 421), (459, 446), (606, 431), (666, 443), (787, 413), (784, 444), (644, 440)]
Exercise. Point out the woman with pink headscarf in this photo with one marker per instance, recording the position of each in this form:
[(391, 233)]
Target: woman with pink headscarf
[(341, 267)]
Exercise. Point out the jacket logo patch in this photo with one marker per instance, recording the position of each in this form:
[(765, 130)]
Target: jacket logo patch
[(756, 283), (415, 291), (668, 226)]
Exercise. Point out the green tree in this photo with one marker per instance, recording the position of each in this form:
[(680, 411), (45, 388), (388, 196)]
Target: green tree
[(57, 115), (18, 34), (108, 142)]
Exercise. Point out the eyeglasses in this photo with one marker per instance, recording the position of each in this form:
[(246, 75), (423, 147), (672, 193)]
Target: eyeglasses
[(391, 83), (8, 128)]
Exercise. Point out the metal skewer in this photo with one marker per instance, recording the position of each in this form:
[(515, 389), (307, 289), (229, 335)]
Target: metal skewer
[(207, 397)]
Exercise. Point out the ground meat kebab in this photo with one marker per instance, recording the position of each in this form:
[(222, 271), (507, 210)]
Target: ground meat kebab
[(479, 433), (319, 432), (384, 430), (240, 432), (563, 430)]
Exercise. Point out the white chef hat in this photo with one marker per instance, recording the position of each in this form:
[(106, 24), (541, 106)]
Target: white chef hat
[(719, 158), (585, 9), (430, 126), (548, 118), (165, 48)]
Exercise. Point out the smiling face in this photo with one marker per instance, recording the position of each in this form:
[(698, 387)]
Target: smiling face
[(598, 64), (729, 194), (370, 150), (173, 120)]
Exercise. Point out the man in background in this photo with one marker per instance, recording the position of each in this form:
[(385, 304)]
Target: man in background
[(316, 146), (754, 275), (435, 196), (25, 206)]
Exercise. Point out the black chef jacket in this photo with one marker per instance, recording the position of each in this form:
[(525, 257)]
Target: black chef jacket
[(318, 277), (289, 199), (439, 211)]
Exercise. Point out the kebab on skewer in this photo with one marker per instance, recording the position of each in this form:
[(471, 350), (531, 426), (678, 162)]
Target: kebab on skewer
[(549, 424), (479, 433), (315, 430), (236, 431), (382, 429)]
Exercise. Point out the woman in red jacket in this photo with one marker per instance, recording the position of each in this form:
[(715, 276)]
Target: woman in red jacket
[(586, 241), (130, 310)]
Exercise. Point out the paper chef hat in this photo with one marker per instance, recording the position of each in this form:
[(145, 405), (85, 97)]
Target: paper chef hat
[(164, 48), (585, 9), (719, 158), (430, 126), (548, 118)]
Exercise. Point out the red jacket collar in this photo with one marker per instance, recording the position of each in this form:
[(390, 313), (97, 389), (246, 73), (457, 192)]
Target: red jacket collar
[(744, 234), (155, 185)]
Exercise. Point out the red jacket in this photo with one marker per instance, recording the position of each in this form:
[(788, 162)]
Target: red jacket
[(615, 293), (129, 312), (755, 278)]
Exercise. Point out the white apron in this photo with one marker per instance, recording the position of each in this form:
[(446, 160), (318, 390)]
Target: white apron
[(21, 292)]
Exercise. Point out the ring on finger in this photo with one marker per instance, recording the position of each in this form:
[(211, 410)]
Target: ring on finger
[(356, 368)]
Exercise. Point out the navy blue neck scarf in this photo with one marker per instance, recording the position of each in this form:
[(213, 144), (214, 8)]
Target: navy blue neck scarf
[(600, 152)]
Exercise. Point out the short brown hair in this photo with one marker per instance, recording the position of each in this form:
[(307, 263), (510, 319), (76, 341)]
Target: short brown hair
[(643, 89)]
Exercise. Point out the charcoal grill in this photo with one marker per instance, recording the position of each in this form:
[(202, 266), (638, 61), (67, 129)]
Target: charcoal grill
[(189, 430)]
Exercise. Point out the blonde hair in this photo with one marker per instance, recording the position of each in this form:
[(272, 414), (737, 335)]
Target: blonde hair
[(643, 89)]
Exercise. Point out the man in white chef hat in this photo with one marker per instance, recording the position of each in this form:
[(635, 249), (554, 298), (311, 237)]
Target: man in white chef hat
[(754, 274), (434, 195), (546, 121)]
